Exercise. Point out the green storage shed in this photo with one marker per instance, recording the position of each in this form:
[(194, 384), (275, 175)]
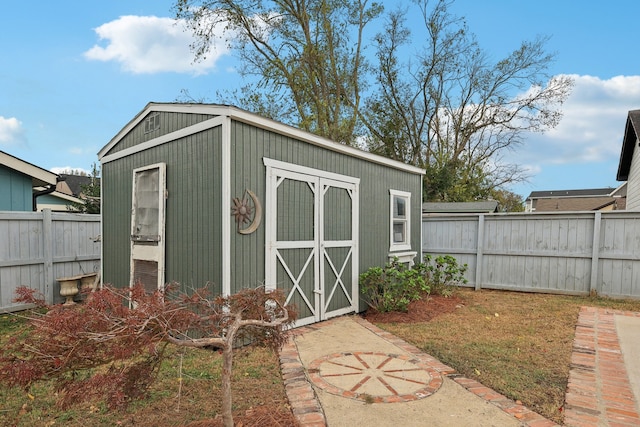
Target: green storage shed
[(203, 193)]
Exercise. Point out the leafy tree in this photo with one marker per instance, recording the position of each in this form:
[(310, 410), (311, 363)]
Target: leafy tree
[(447, 108), (307, 56), (89, 194), (127, 344), (453, 111), (508, 201)]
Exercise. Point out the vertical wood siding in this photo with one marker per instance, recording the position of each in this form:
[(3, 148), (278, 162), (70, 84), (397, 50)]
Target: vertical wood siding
[(36, 248), (169, 122), (193, 231), (543, 252), (193, 245), (633, 181), (16, 190), (250, 145)]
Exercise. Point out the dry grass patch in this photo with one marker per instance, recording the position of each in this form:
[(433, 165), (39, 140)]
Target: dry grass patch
[(187, 390), (519, 344)]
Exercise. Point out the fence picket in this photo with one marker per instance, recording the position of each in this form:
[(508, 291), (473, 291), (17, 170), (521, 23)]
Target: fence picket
[(30, 254), (567, 252)]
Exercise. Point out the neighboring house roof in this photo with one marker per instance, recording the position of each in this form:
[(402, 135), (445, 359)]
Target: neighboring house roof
[(579, 204), (235, 113), (460, 207), (617, 204), (39, 177), (578, 200), (57, 202), (74, 183), (554, 194), (631, 131)]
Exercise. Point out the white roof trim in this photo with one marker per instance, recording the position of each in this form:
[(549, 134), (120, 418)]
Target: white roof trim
[(258, 121), (198, 127), (39, 175), (58, 195), (619, 188), (67, 197)]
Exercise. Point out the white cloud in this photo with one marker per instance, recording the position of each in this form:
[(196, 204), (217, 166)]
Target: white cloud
[(592, 126), (148, 44), (11, 131)]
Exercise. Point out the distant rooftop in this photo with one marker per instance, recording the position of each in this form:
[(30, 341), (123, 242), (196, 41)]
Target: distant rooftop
[(591, 192), (578, 200), (460, 207), (75, 182)]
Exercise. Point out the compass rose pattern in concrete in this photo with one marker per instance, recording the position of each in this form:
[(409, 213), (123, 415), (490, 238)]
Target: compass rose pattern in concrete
[(374, 377)]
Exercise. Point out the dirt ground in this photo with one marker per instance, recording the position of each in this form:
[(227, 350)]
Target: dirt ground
[(421, 310)]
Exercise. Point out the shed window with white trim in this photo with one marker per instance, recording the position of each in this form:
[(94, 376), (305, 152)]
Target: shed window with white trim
[(400, 238)]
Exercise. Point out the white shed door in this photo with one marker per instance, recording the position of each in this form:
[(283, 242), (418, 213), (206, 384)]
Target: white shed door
[(311, 240), (148, 226)]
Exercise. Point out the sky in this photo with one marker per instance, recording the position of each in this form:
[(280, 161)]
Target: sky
[(73, 73)]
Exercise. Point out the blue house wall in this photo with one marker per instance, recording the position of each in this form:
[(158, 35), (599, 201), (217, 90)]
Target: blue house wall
[(15, 190)]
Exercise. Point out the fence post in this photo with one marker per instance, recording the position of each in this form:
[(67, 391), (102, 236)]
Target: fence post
[(595, 253), (47, 241), (479, 251)]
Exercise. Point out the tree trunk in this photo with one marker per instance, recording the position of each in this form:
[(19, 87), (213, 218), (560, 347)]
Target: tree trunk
[(227, 363)]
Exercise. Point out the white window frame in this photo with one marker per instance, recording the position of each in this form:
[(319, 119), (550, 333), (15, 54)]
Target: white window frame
[(152, 123), (406, 244), (155, 252)]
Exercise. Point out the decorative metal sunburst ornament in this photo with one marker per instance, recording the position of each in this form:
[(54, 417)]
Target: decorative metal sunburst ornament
[(242, 211)]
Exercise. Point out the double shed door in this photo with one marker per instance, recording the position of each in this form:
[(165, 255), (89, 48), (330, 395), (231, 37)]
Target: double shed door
[(311, 240)]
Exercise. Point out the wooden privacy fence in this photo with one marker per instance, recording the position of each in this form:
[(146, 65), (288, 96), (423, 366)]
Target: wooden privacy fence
[(38, 247), (573, 253)]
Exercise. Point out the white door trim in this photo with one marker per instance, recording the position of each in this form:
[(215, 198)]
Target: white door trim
[(150, 253), (319, 182)]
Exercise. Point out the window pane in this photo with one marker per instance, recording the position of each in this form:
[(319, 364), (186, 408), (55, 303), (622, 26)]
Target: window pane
[(146, 203), (398, 232), (399, 207)]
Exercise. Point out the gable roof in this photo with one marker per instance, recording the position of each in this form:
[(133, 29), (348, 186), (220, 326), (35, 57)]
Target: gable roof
[(39, 177), (628, 143), (75, 182), (244, 116)]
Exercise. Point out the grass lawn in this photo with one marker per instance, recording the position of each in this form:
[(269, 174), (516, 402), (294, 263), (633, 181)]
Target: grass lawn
[(516, 343), (187, 390), (519, 344)]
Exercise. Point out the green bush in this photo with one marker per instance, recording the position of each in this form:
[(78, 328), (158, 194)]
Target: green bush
[(442, 274), (395, 286)]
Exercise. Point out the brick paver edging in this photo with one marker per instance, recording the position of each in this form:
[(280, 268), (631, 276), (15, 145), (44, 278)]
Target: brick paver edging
[(308, 411), (599, 392), (302, 398)]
